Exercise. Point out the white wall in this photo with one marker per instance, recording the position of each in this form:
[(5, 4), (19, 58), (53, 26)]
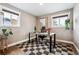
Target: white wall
[(27, 22), (63, 34), (76, 24)]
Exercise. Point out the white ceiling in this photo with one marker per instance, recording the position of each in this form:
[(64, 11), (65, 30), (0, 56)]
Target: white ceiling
[(37, 10)]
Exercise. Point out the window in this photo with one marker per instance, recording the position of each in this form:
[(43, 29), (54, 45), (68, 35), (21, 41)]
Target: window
[(10, 18), (42, 21), (59, 21), (1, 19)]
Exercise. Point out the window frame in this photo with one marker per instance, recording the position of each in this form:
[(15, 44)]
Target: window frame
[(66, 13), (17, 12)]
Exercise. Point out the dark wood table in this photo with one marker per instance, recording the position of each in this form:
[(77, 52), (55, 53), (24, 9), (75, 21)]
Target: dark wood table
[(50, 35)]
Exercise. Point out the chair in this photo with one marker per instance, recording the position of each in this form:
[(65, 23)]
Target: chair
[(43, 29)]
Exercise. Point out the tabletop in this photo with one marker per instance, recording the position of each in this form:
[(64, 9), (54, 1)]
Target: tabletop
[(45, 33)]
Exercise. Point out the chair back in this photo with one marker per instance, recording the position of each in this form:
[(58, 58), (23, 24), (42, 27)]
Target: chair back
[(43, 29)]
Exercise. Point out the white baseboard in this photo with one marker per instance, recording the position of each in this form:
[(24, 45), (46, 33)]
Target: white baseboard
[(65, 41), (13, 44)]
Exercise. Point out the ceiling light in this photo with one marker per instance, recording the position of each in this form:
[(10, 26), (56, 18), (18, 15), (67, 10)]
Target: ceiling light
[(41, 3)]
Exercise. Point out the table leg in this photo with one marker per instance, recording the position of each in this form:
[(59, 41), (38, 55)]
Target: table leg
[(36, 38), (29, 37), (54, 40), (50, 43)]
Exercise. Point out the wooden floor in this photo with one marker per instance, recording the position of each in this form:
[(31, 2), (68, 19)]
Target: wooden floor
[(13, 51)]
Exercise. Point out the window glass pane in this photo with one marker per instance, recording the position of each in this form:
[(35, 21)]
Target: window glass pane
[(1, 19), (7, 19), (42, 22), (56, 22), (62, 21), (14, 20)]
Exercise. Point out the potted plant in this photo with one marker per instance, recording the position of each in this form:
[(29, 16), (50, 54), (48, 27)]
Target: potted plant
[(7, 32), (67, 24)]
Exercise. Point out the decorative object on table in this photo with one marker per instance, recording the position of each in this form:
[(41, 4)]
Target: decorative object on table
[(35, 29), (49, 30), (67, 24)]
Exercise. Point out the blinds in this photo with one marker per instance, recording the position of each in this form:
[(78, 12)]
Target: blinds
[(10, 12), (60, 16)]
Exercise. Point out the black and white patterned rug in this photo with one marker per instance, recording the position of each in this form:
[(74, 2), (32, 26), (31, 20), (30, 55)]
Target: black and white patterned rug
[(42, 48)]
